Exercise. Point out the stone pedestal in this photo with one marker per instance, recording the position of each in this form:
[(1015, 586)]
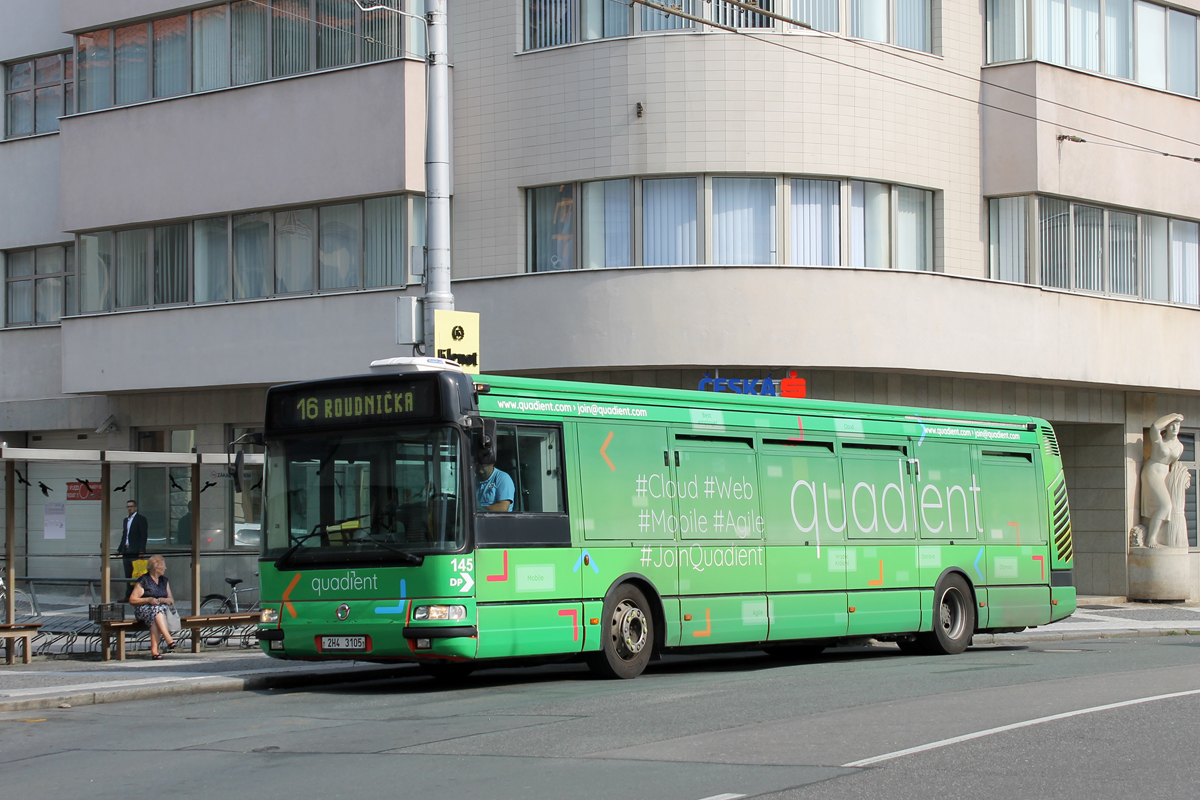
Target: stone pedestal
[(1159, 573)]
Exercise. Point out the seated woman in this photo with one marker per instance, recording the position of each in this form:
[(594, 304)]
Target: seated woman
[(150, 597)]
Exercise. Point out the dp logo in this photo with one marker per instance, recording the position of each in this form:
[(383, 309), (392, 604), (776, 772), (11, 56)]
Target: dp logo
[(458, 333)]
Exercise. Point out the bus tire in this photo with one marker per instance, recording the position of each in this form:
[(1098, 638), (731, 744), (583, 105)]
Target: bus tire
[(627, 640), (953, 617), (795, 652)]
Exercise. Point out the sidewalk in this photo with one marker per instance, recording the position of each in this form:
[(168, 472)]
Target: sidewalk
[(86, 680), (1106, 618), (53, 682)]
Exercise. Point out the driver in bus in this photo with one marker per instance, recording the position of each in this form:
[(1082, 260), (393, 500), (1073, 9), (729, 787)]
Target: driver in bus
[(496, 490)]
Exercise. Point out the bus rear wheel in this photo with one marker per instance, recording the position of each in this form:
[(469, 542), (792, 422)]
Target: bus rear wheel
[(953, 618), (627, 640)]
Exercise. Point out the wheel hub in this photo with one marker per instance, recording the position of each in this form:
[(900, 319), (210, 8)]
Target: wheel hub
[(951, 614), (631, 628)]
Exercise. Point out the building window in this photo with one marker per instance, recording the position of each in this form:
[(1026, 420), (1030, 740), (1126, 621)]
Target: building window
[(40, 285), (552, 228), (341, 247), (36, 93), (607, 224), (669, 221), (816, 223), (743, 220), (164, 494), (550, 23), (246, 506), (236, 43), (1086, 248), (653, 20), (1137, 41), (883, 226)]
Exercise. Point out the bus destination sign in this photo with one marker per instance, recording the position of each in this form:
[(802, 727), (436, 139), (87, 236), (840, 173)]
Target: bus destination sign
[(352, 404)]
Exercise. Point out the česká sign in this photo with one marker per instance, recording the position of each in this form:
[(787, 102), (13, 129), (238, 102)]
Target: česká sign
[(791, 386)]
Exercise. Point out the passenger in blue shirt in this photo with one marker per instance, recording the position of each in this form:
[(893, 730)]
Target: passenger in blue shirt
[(495, 491)]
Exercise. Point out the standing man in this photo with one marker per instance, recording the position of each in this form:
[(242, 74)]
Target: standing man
[(134, 533)]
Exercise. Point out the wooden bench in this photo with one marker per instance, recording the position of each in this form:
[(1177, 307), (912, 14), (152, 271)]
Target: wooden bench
[(11, 633), (199, 622), (194, 624), (120, 628)]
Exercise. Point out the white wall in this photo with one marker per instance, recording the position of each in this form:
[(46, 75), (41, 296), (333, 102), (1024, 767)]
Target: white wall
[(713, 102), (322, 136)]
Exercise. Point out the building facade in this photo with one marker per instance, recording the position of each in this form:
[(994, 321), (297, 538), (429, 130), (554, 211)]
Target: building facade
[(985, 207)]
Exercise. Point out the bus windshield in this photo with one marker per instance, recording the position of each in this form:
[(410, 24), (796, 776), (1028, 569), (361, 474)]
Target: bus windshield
[(363, 496)]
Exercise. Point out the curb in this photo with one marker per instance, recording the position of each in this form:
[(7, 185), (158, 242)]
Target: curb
[(1066, 636), (209, 685)]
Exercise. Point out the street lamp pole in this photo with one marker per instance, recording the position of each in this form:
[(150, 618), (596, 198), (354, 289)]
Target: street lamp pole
[(437, 158), (437, 169)]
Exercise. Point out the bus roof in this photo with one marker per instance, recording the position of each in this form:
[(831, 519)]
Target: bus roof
[(510, 385)]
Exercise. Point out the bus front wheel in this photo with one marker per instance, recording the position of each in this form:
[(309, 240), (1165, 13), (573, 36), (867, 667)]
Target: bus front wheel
[(628, 640), (953, 618)]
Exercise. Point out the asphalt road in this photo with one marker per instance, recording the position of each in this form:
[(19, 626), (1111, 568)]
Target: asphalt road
[(720, 726)]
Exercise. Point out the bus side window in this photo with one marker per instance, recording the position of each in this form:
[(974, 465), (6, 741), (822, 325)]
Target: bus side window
[(532, 455), (1010, 498)]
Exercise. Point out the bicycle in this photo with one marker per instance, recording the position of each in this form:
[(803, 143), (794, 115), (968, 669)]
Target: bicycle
[(217, 604), (228, 604), (24, 606)]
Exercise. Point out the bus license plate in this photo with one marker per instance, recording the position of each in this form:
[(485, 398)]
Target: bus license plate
[(343, 643)]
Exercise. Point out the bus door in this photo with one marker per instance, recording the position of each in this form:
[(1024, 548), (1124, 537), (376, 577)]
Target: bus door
[(722, 564), (527, 583), (1013, 508), (801, 484), (882, 577), (945, 510)]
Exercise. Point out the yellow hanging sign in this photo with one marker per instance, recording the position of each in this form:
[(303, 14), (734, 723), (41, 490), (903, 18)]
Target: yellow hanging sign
[(456, 337)]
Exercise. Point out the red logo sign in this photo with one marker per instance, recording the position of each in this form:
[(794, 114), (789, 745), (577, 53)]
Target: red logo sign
[(83, 491), (791, 386)]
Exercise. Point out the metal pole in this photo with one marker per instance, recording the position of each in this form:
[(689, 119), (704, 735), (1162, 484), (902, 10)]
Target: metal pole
[(10, 550), (105, 532), (437, 169), (195, 511), (105, 545)]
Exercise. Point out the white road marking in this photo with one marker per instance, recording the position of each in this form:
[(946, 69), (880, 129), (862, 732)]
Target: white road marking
[(866, 762), (725, 796)]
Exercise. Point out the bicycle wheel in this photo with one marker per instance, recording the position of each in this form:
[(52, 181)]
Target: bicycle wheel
[(24, 605), (211, 605), (215, 604)]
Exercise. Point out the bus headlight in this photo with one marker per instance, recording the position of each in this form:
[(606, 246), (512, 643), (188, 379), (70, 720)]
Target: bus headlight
[(439, 612), (269, 616)]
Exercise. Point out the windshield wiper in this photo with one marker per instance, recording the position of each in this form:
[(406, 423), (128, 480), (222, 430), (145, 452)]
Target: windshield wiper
[(341, 525)]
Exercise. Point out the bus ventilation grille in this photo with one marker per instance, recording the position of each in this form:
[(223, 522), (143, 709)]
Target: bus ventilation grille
[(1051, 441), (1062, 522)]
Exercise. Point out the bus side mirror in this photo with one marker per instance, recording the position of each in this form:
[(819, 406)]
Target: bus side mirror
[(485, 441), (239, 462)]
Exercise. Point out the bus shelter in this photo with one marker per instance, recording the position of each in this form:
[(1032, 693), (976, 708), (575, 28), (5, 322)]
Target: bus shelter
[(107, 460)]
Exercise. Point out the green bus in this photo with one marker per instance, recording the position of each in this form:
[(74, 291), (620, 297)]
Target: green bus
[(643, 521)]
